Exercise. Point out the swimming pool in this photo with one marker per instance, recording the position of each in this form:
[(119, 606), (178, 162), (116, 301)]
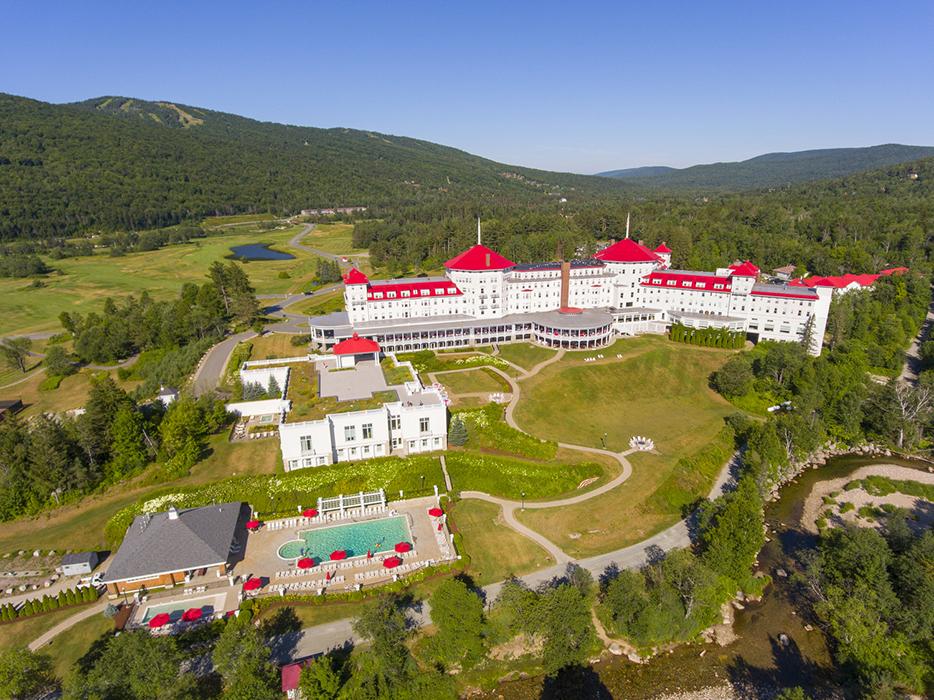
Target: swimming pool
[(175, 609), (356, 538)]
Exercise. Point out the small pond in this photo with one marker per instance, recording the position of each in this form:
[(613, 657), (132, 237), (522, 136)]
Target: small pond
[(258, 251)]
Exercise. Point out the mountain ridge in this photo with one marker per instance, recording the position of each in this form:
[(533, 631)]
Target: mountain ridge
[(773, 169)]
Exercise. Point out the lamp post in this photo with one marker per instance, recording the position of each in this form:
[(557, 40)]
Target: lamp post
[(523, 500), (604, 440), (423, 482)]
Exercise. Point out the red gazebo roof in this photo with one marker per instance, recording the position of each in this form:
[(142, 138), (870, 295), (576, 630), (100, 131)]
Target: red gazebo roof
[(356, 345), (478, 258), (662, 248), (744, 269)]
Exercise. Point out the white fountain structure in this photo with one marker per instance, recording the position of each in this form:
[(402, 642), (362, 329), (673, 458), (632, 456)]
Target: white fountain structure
[(641, 443)]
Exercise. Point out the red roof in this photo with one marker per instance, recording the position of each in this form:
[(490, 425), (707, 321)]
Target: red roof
[(354, 276), (682, 280), (662, 248), (837, 282), (784, 295), (894, 271), (291, 674), (628, 251), (411, 290), (356, 345), (479, 257), (744, 269)]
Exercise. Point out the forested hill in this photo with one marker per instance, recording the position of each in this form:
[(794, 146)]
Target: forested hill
[(774, 169), (119, 163)]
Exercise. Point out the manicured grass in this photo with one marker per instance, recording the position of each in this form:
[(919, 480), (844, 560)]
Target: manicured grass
[(319, 304), (495, 551), (525, 355), (308, 405), (333, 238), (487, 431), (82, 284), (650, 500), (473, 381), (276, 345), (661, 392), (81, 526), (509, 477), (67, 647), (395, 374)]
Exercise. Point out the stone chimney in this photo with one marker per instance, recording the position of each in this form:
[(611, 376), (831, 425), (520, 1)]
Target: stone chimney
[(565, 283)]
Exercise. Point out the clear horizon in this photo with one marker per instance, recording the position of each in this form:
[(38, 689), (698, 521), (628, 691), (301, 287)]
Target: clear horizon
[(604, 87)]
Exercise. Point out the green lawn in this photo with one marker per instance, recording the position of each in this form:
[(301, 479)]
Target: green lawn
[(275, 345), (67, 647), (660, 392), (525, 355), (473, 381), (81, 284), (509, 477), (81, 526), (395, 374), (319, 304), (495, 551), (333, 238)]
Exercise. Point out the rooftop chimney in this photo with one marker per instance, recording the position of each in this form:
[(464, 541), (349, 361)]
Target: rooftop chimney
[(173, 514), (565, 283), (487, 259)]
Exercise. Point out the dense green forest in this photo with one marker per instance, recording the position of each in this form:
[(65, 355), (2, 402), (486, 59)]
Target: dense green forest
[(774, 169), (118, 164), (861, 223)]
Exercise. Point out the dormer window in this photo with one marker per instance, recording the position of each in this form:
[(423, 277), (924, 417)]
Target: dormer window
[(391, 295), (378, 295), (405, 294)]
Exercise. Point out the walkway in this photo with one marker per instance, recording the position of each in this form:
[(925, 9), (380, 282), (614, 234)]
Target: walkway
[(911, 370), (95, 609)]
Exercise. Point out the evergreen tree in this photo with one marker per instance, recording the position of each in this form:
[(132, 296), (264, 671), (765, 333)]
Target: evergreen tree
[(128, 452), (457, 435)]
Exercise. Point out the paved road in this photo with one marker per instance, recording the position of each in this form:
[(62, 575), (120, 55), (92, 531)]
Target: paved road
[(212, 365)]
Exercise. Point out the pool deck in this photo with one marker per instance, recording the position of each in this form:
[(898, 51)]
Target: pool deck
[(222, 597), (261, 558)]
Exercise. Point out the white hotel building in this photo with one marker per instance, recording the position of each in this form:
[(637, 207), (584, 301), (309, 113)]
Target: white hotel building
[(625, 289)]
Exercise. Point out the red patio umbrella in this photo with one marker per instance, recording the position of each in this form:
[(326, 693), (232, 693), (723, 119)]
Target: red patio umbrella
[(435, 512), (192, 614), (440, 527), (338, 554), (391, 562), (306, 563), (327, 576), (253, 584), (252, 524), (403, 547), (369, 554), (310, 512), (159, 620)]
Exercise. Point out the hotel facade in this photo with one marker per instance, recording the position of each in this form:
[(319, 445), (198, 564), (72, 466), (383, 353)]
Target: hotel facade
[(625, 289)]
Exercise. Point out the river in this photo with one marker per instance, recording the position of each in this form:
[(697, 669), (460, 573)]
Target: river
[(758, 660)]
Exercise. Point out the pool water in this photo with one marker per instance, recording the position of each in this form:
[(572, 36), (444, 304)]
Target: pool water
[(177, 608), (356, 538)]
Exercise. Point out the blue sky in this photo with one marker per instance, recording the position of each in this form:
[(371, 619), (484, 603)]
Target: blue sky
[(564, 86)]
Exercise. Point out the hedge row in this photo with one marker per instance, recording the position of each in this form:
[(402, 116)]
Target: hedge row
[(707, 337), (275, 495), (64, 599)]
